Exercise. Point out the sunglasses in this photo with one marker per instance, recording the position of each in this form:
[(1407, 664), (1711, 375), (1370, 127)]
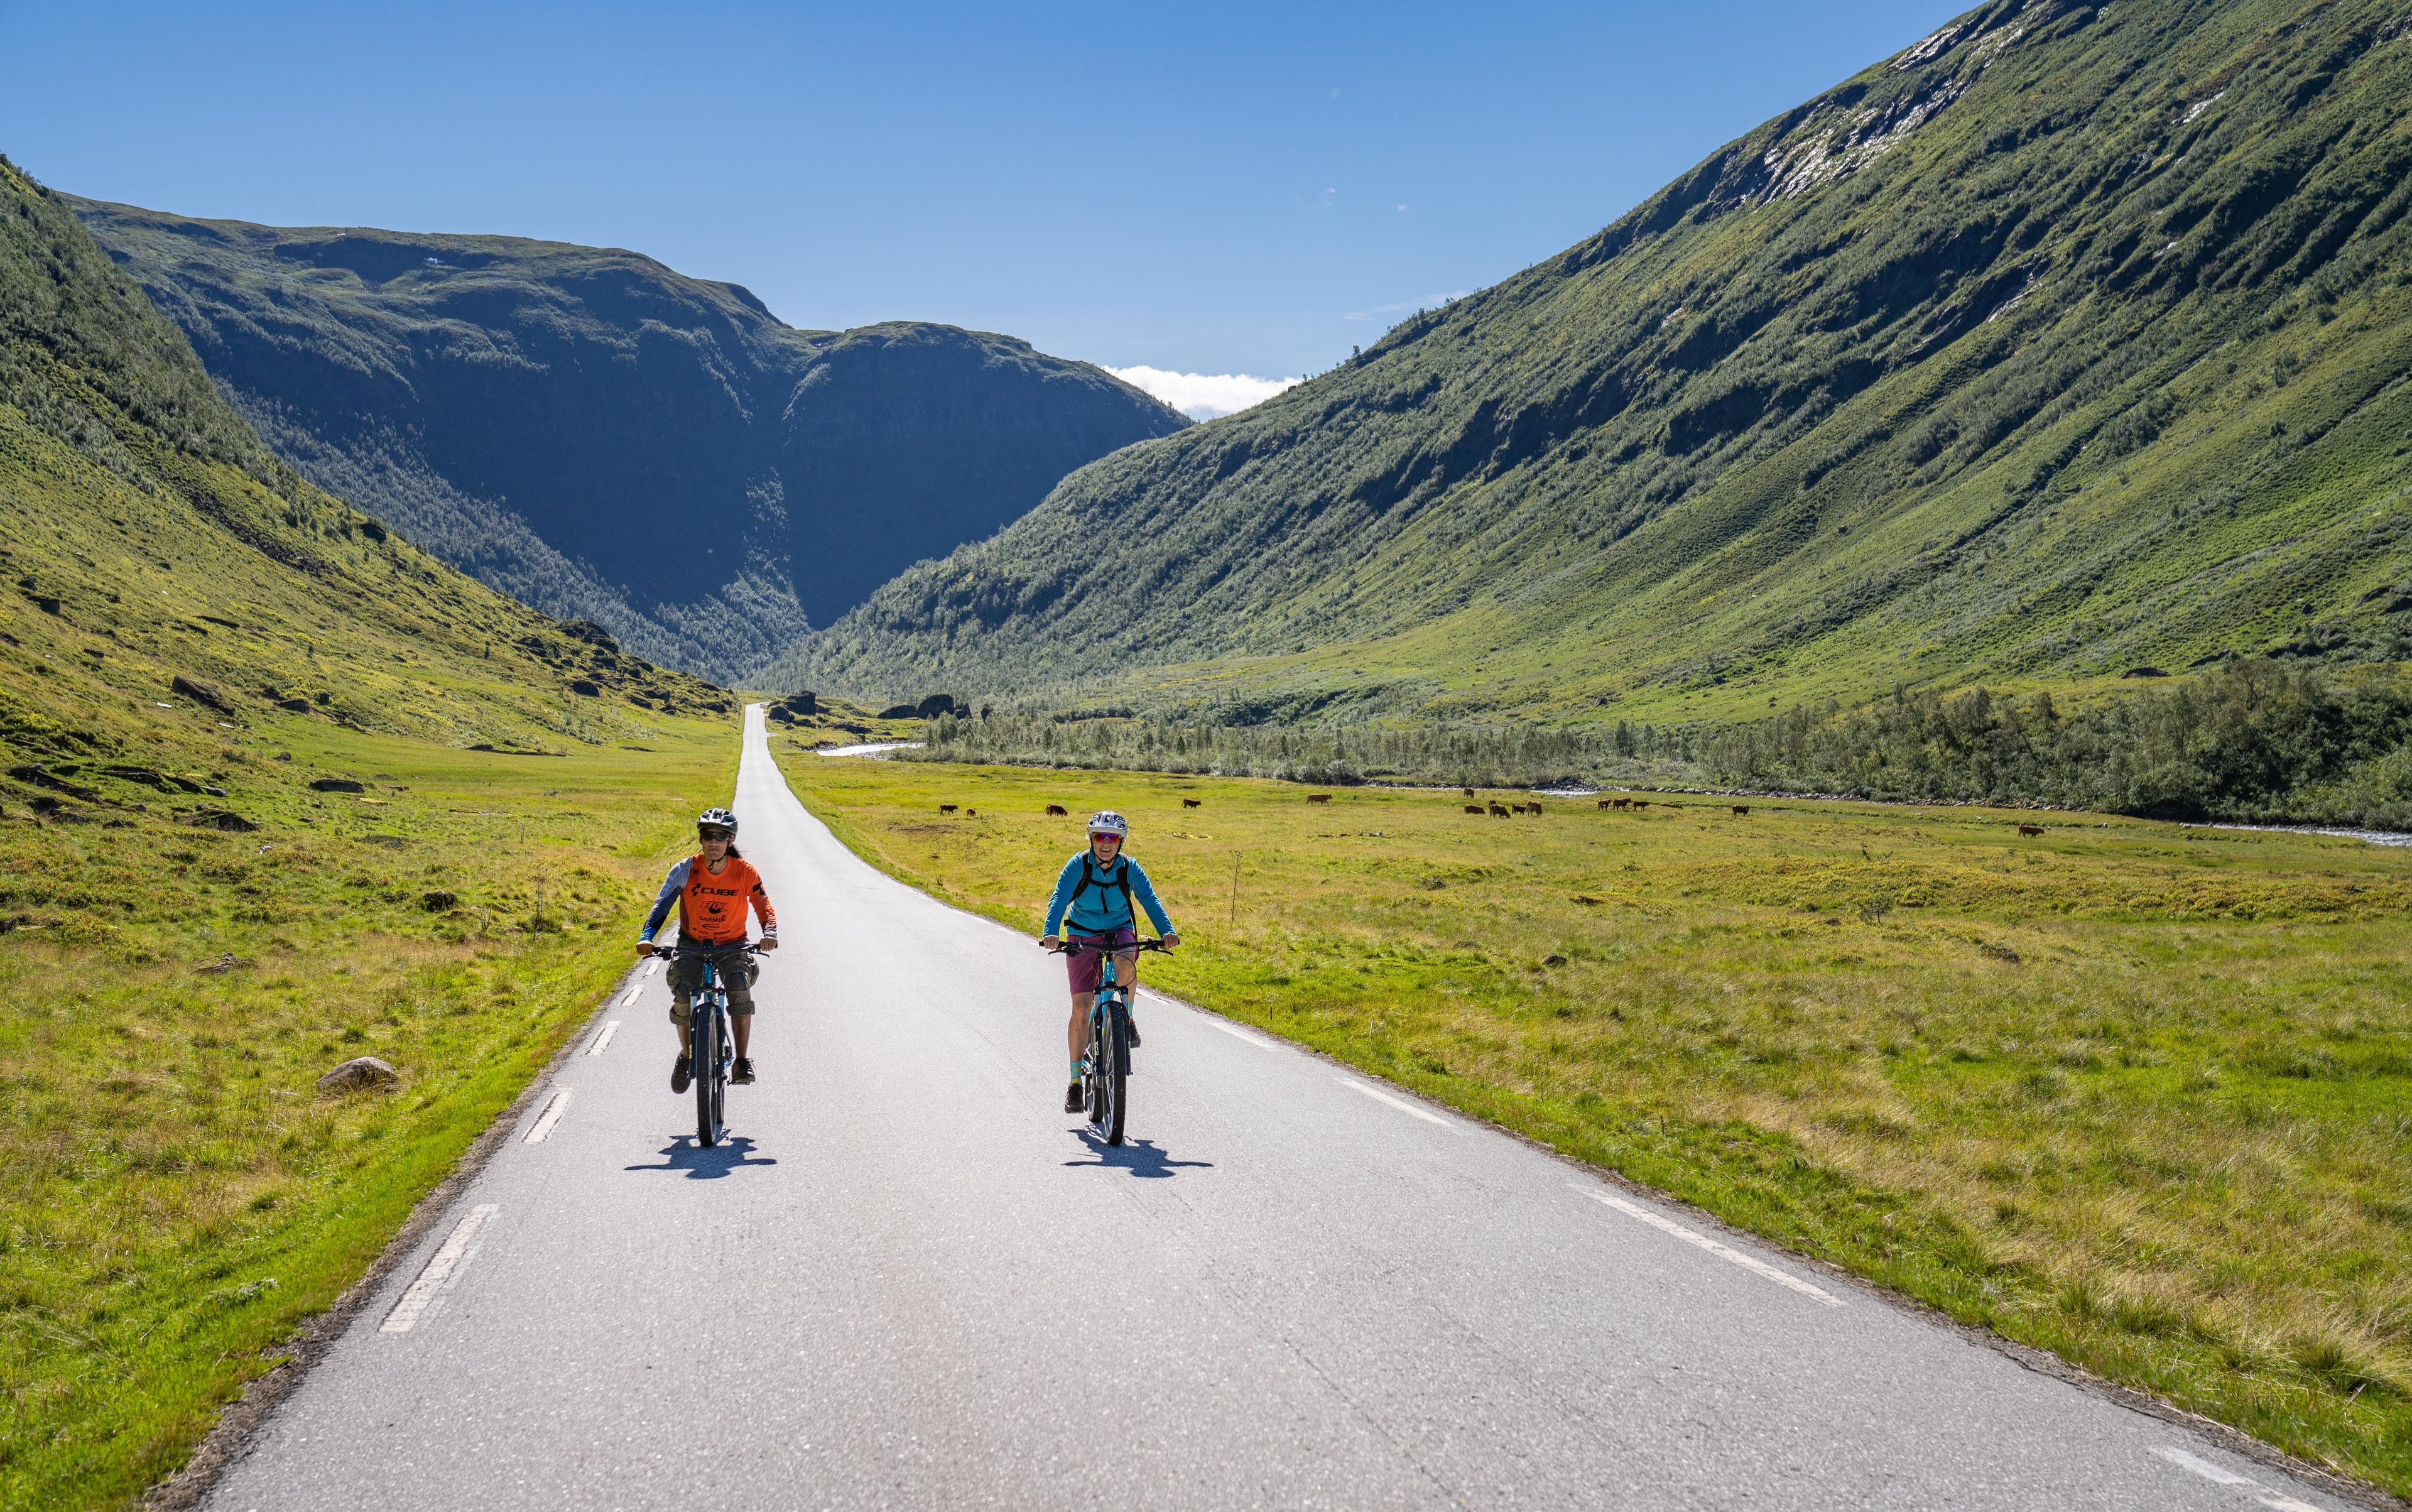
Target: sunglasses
[(716, 834)]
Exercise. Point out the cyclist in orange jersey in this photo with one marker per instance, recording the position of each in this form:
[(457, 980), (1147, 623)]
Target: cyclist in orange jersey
[(712, 890)]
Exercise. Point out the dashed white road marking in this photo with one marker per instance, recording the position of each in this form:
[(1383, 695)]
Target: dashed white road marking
[(551, 1115), (1700, 1241), (603, 1038), (635, 991), (2222, 1475), (1400, 1103), (1241, 1034), (654, 965), (440, 1267)]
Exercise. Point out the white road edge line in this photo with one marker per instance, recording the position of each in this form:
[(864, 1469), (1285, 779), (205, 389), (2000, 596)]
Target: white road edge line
[(2221, 1475), (1241, 1034), (603, 1038), (1700, 1241), (551, 1116), (439, 1270), (1399, 1103)]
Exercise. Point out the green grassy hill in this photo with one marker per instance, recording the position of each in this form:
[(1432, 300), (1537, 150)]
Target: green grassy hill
[(2072, 342), (552, 418), (276, 789)]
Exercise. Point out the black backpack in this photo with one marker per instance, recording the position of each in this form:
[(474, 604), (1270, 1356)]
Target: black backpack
[(1119, 878)]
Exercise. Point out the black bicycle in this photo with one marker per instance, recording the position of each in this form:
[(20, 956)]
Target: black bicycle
[(1105, 1083), (709, 1037)]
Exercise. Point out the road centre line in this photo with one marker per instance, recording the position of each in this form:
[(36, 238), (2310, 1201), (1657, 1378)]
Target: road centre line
[(1400, 1103), (603, 1038), (551, 1115), (1722, 1252), (439, 1270), (2221, 1475), (634, 990), (654, 965)]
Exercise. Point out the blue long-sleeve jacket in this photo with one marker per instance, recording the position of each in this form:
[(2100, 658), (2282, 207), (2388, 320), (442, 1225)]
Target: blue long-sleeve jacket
[(1101, 906)]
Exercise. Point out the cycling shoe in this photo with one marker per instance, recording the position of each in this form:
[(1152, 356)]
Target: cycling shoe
[(744, 1073), (681, 1074)]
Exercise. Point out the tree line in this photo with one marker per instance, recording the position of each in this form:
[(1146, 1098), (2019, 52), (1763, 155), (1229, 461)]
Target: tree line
[(2254, 739)]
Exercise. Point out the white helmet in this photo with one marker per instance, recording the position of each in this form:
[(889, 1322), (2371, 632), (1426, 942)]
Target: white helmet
[(1107, 822)]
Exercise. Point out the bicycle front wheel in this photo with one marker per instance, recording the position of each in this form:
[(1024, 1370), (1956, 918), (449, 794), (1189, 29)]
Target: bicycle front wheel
[(706, 1072), (1114, 1085)]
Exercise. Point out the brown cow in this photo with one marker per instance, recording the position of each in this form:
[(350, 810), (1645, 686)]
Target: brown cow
[(971, 814), (1319, 797), (1622, 804), (2031, 830), (1474, 808), (1058, 810), (946, 808), (1469, 792), (1534, 809), (1641, 802), (1496, 812), (1743, 810), (1518, 807), (1192, 802)]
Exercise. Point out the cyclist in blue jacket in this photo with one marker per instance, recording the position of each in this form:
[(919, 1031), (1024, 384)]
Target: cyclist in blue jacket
[(1093, 894)]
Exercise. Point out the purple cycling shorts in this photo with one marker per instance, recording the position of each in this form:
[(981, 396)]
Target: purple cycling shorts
[(1087, 966)]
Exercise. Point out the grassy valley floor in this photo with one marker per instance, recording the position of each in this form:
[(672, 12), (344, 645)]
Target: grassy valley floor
[(2136, 1094), (177, 1194)]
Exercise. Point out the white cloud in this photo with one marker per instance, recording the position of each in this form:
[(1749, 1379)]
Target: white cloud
[(1202, 396)]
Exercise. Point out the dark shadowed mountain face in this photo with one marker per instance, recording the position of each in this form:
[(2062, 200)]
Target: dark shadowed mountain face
[(603, 437), (2074, 341)]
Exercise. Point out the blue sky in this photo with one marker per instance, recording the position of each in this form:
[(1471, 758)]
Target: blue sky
[(1201, 189)]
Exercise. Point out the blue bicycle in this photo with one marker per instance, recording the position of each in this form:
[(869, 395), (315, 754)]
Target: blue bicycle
[(1105, 1082), (709, 1042)]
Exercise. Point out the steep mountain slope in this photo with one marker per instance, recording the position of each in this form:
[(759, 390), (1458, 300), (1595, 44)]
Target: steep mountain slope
[(603, 437), (2073, 341), (168, 578)]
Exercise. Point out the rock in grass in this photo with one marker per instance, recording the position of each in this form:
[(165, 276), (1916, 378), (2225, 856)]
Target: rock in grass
[(438, 902), (336, 785), (362, 1071)]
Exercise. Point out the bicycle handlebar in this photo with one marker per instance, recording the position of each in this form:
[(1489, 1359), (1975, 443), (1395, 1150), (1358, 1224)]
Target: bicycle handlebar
[(739, 947), (1073, 947)]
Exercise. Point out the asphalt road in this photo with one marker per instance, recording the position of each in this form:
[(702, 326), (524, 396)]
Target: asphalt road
[(910, 1281)]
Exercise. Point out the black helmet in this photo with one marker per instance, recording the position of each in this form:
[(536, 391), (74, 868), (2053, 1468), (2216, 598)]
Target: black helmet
[(717, 819)]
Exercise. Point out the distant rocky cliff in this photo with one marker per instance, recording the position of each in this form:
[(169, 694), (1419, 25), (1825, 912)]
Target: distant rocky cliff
[(603, 437)]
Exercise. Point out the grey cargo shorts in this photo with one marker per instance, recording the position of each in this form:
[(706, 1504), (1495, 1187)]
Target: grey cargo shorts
[(687, 975)]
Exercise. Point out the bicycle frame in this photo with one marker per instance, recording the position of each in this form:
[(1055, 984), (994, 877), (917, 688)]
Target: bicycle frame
[(709, 1041)]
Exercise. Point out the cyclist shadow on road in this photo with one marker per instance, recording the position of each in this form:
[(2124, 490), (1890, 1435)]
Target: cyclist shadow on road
[(1140, 1157), (706, 1164)]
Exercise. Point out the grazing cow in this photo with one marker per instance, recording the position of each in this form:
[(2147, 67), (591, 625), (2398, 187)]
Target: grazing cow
[(2031, 830), (971, 814), (1496, 812), (1058, 810), (1741, 810), (946, 808), (1193, 802), (1622, 804), (1474, 808), (1469, 792), (1641, 802), (1319, 797), (1532, 809), (1518, 807)]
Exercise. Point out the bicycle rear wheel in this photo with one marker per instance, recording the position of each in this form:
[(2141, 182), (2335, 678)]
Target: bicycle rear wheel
[(1114, 1085), (707, 1072)]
